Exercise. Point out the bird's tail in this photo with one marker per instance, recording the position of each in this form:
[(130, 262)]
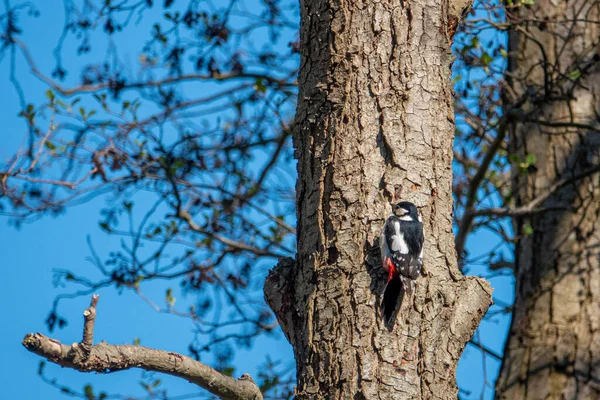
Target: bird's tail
[(393, 292)]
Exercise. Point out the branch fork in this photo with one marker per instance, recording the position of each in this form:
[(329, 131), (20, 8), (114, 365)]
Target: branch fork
[(103, 357)]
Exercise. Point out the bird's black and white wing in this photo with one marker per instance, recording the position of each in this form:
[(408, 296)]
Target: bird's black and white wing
[(397, 248), (401, 245)]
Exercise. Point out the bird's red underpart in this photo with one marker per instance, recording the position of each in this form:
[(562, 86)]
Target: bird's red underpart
[(391, 269)]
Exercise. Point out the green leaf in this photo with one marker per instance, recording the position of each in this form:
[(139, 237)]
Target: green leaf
[(136, 341), (269, 383), (101, 98), (29, 114), (228, 371), (486, 59), (206, 242), (50, 95), (530, 159), (169, 297), (89, 392), (179, 163), (104, 226), (252, 191), (41, 367), (146, 386), (128, 205), (260, 86), (575, 74), (50, 145), (513, 158), (527, 229)]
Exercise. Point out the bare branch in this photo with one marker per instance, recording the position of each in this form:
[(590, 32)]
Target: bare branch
[(471, 196), (185, 216), (485, 349), (105, 357), (92, 88), (88, 327), (533, 206)]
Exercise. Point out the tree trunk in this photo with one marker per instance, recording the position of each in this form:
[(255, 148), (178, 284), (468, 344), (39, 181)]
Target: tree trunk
[(553, 350), (374, 124)]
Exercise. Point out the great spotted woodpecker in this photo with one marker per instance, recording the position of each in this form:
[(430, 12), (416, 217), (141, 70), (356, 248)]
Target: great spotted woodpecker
[(401, 246)]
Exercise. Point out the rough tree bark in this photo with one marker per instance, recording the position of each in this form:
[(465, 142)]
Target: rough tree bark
[(553, 350), (374, 124)]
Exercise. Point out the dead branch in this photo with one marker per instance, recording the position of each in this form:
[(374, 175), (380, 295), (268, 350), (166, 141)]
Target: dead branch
[(103, 357)]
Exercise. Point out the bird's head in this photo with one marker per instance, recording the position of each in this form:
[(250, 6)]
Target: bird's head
[(407, 211)]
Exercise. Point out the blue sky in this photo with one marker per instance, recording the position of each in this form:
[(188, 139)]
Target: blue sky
[(30, 254)]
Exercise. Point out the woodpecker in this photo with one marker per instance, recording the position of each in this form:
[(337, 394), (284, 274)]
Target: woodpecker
[(401, 246)]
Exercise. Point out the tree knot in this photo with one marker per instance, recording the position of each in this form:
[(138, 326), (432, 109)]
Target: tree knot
[(279, 293)]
